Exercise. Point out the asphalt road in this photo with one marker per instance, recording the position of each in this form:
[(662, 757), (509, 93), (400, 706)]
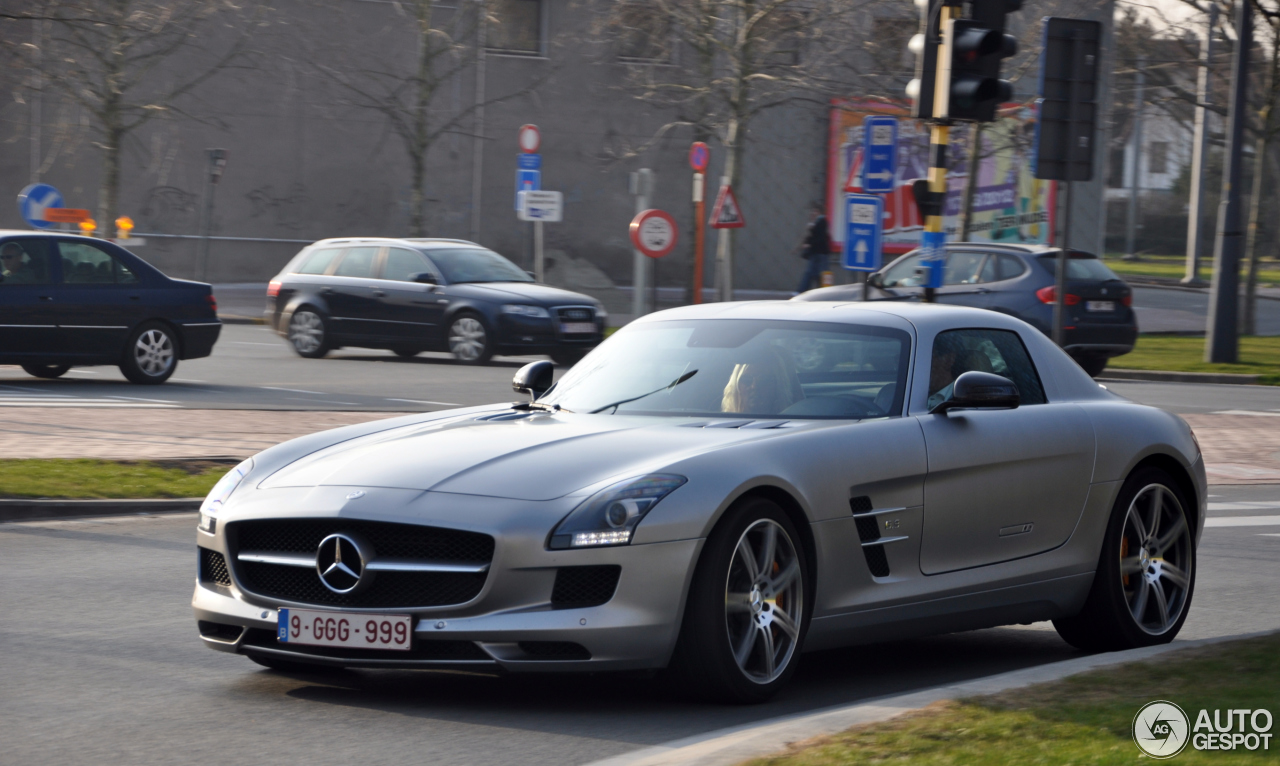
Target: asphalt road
[(1166, 310), (102, 665)]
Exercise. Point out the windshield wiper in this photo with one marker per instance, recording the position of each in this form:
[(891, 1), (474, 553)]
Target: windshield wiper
[(667, 387)]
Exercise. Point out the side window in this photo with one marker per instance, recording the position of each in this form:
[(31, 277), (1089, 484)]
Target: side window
[(990, 270), (956, 352), (1011, 266), (85, 264), (25, 262), (403, 264), (318, 262), (963, 268), (903, 273), (358, 262)]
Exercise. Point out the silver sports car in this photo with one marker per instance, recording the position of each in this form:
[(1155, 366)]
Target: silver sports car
[(715, 490)]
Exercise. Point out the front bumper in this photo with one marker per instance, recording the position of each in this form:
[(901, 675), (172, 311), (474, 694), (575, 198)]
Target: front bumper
[(511, 625)]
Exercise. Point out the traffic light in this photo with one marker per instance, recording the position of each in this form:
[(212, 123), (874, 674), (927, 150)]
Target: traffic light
[(978, 45), (925, 45)]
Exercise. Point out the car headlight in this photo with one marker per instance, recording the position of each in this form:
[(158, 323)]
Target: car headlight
[(525, 311), (610, 516), (601, 314), (219, 494)]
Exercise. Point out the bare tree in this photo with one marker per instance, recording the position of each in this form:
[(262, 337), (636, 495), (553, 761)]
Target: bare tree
[(126, 62)]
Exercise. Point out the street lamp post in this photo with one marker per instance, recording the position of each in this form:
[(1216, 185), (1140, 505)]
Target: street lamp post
[(217, 162)]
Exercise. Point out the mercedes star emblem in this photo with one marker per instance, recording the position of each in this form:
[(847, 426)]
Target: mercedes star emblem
[(341, 561)]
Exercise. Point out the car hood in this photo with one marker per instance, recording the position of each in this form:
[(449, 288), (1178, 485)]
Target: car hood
[(527, 292), (536, 457)]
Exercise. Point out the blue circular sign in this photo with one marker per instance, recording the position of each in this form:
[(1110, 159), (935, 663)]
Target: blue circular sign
[(33, 200)]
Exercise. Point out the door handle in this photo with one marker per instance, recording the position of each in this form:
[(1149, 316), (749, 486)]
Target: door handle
[(46, 297), (135, 297), (326, 291), (380, 293)]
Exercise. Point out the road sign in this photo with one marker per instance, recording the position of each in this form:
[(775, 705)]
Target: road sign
[(527, 180), (1067, 113), (530, 139), (699, 157), (529, 161), (879, 154), (653, 232), (34, 200), (67, 215), (545, 206), (727, 214), (864, 232)]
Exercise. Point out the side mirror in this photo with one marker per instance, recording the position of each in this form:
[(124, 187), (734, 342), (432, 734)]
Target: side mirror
[(876, 280), (532, 276), (534, 379), (980, 390), (425, 278)]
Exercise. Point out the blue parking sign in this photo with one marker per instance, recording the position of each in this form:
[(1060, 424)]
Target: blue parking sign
[(864, 228), (527, 180), (879, 154)]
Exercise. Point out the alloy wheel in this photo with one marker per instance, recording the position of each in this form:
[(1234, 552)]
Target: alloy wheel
[(153, 352), (764, 601), (467, 339), (306, 331), (1155, 559)]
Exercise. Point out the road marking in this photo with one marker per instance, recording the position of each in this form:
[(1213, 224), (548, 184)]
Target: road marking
[(1243, 521), (1244, 505), (292, 390), (185, 380), (318, 401), (424, 401), (252, 343), (1269, 534), (139, 399), (38, 402), (1248, 412), (84, 372)]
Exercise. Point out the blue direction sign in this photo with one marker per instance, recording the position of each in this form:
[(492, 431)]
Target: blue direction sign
[(527, 180), (33, 200), (864, 230), (529, 162), (879, 154)]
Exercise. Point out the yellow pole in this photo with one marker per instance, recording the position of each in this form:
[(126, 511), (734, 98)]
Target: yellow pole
[(935, 238)]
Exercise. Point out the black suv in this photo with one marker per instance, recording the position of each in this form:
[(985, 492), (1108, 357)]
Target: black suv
[(415, 295)]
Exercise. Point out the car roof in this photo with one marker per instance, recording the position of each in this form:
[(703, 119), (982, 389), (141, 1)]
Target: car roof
[(930, 316), (419, 242)]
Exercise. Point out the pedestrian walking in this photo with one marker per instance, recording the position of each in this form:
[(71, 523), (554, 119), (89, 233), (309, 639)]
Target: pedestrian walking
[(816, 248)]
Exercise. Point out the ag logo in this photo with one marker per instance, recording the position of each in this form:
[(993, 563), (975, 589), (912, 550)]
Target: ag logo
[(1160, 729)]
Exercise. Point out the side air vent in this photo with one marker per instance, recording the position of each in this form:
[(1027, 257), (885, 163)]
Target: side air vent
[(877, 562), (868, 529), (868, 524), (860, 504), (584, 586)]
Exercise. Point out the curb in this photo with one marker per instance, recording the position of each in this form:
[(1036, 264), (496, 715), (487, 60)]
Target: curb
[(1180, 377), (754, 740), (38, 510)]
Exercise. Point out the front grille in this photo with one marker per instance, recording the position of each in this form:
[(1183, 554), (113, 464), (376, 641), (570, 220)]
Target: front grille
[(213, 568), (442, 650), (400, 590), (555, 650), (584, 586), (577, 314)]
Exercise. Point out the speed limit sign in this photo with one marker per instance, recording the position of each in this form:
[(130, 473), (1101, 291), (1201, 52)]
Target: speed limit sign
[(653, 232)]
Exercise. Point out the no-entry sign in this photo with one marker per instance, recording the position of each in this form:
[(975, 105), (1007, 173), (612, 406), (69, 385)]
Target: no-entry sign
[(530, 139), (653, 232)]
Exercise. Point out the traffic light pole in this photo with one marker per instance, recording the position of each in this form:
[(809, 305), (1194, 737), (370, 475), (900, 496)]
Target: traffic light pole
[(935, 239)]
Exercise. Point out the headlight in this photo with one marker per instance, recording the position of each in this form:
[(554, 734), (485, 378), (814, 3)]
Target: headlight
[(610, 516), (219, 494), (525, 311), (601, 314)]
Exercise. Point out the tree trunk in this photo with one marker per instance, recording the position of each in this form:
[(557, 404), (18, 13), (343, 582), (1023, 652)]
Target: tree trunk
[(420, 139), (109, 191), (971, 183), (1249, 309)]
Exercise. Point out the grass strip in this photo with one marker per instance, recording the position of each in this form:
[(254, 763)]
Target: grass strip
[(1084, 719), (1259, 355), (108, 479)]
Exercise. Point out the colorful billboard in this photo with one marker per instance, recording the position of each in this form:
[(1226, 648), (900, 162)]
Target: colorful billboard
[(1009, 204)]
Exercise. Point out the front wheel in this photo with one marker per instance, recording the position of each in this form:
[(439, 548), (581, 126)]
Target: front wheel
[(49, 371), (469, 340), (308, 333), (151, 355), (1146, 574), (747, 610)]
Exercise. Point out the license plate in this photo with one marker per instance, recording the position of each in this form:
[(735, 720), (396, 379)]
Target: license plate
[(350, 631), (577, 328), (1100, 305)]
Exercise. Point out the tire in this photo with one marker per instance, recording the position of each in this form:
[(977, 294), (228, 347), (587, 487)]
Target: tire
[(309, 333), (1093, 364), (151, 355), (406, 353), (567, 357), (469, 339), (733, 645), (288, 666), (49, 371), (1139, 598)]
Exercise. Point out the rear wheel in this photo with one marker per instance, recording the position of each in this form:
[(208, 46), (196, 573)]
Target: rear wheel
[(309, 333), (151, 355), (46, 370), (1146, 575), (747, 610), (1093, 364)]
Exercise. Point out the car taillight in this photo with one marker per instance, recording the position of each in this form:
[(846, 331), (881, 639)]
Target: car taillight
[(213, 302), (1049, 295), (1127, 300), (273, 289)]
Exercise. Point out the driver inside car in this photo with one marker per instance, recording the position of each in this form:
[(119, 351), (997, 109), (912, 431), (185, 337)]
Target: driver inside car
[(763, 386)]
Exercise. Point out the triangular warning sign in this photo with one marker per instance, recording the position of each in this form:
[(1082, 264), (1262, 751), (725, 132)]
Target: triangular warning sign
[(853, 183), (727, 214)]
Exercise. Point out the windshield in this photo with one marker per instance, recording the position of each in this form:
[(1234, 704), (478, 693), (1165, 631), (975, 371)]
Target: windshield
[(1080, 266), (474, 264), (741, 368)]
